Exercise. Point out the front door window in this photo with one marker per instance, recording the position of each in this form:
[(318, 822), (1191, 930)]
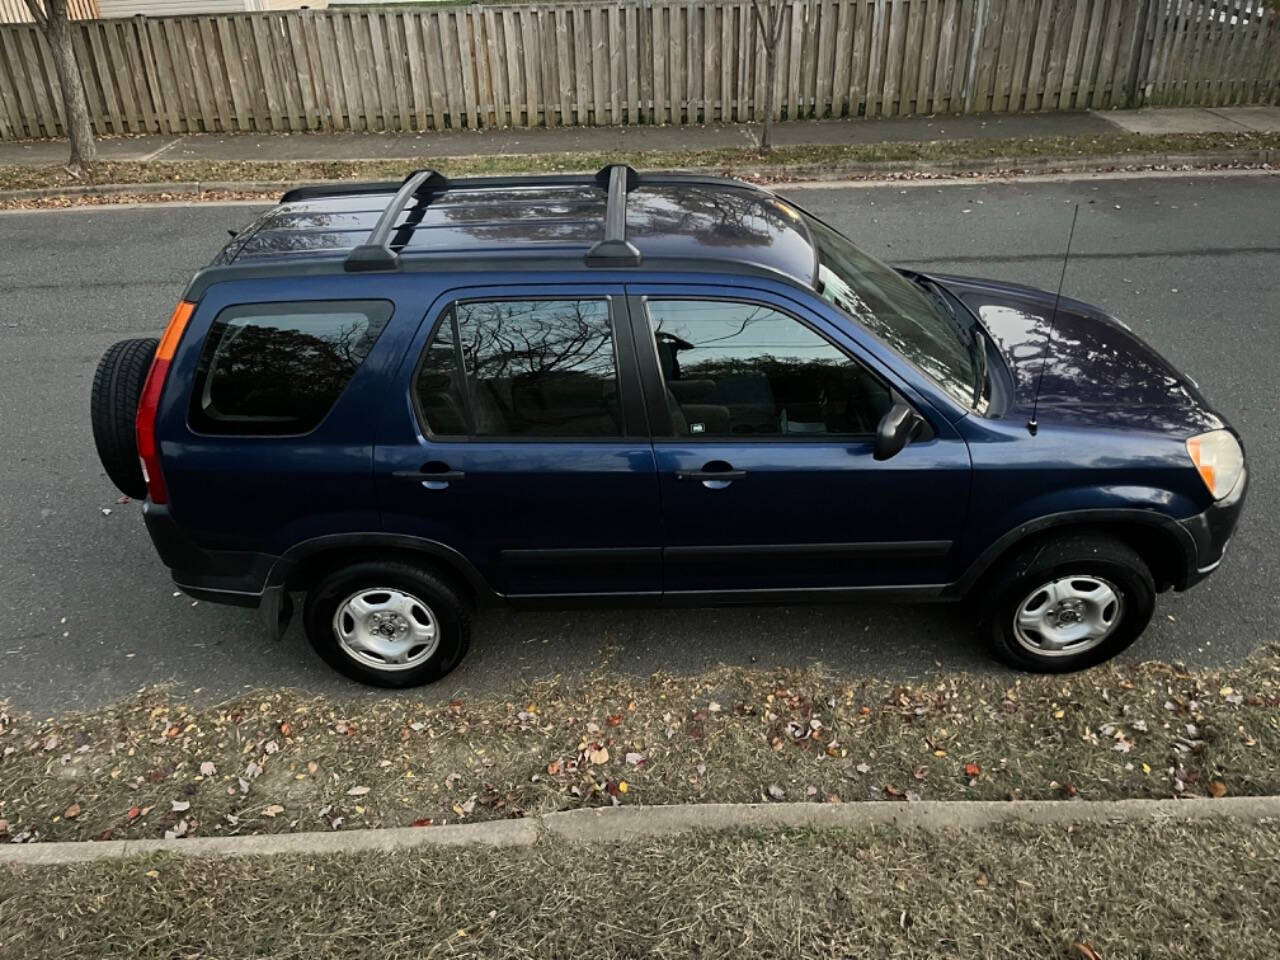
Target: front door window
[(733, 369)]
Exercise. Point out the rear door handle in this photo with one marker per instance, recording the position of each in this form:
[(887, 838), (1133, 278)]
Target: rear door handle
[(432, 476), (710, 474), (429, 475)]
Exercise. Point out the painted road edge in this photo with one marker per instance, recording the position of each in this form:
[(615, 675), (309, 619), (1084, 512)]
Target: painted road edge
[(623, 824)]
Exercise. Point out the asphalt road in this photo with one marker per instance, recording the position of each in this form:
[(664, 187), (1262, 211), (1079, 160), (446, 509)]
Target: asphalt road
[(87, 613)]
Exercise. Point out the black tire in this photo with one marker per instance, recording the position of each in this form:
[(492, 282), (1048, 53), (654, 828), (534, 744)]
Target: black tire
[(1082, 555), (113, 410), (442, 600)]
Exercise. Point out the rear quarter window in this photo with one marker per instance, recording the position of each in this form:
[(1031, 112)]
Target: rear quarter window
[(272, 369)]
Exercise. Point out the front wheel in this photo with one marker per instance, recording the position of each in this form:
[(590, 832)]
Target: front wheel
[(388, 624), (1067, 603)]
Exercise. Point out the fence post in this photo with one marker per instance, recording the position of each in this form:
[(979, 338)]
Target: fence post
[(1139, 63)]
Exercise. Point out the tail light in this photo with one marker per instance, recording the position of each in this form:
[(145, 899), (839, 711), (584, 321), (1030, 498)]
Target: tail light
[(148, 448)]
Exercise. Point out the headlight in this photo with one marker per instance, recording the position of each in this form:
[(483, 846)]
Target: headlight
[(1218, 457)]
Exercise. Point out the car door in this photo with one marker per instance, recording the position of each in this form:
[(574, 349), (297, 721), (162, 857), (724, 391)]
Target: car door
[(763, 422), (521, 443)]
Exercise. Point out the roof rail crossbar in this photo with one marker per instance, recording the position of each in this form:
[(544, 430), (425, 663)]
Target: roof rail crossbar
[(615, 250), (376, 253)]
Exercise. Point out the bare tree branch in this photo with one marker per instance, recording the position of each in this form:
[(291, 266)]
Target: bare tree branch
[(38, 14)]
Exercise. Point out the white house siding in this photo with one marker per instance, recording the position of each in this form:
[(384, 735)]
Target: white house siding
[(172, 8)]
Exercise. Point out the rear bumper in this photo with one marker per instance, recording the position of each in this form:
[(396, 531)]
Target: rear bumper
[(237, 577), (1211, 532)]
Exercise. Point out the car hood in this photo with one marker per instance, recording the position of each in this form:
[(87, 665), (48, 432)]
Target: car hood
[(1098, 372)]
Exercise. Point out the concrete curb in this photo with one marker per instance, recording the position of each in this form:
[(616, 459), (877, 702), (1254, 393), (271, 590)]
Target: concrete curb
[(621, 824), (773, 172)]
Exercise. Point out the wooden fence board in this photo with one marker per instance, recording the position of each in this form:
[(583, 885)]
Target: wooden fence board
[(636, 61)]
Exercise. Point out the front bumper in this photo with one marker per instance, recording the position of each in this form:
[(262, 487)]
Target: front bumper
[(1211, 531)]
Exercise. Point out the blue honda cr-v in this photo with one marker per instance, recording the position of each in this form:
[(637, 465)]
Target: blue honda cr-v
[(404, 400)]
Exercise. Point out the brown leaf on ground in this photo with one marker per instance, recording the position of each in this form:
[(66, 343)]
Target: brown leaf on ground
[(1217, 789), (72, 811), (891, 791), (971, 769), (614, 720), (1084, 951), (134, 813)]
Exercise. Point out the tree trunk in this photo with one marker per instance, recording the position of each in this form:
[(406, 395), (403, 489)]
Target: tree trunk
[(57, 30), (770, 96)]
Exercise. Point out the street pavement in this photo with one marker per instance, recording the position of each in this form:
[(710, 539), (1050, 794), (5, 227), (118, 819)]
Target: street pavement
[(88, 615)]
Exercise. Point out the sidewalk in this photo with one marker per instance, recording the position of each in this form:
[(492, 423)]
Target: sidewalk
[(458, 143)]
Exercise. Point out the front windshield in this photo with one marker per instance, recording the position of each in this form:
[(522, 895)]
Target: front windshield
[(895, 310)]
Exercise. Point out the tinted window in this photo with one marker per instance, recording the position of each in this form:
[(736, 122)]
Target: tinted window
[(532, 368), (743, 369), (277, 368)]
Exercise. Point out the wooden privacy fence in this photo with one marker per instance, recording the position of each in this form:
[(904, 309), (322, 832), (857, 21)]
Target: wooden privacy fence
[(626, 62)]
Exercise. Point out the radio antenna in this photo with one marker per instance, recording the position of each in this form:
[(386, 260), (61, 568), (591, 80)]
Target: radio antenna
[(1033, 425)]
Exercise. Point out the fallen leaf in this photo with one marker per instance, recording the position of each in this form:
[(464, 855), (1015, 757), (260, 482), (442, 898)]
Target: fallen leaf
[(776, 792), (599, 756), (357, 791), (153, 874), (863, 768), (51, 743), (892, 791), (73, 811), (1217, 789), (272, 810), (553, 768), (424, 822), (921, 772), (636, 760), (623, 786), (982, 879), (971, 770), (286, 728), (312, 767), (1085, 951), (614, 720), (181, 805), (207, 769)]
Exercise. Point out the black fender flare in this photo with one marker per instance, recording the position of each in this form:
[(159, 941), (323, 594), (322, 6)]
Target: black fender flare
[(1101, 517), (332, 543)]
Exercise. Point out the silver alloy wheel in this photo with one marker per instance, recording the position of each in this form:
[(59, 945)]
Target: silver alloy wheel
[(1068, 616), (386, 629)]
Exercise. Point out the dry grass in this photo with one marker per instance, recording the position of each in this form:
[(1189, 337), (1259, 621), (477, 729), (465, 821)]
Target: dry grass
[(739, 161), (1142, 890), (280, 760)]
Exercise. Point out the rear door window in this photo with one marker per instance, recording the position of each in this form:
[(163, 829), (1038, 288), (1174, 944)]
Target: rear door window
[(522, 368), (278, 368)]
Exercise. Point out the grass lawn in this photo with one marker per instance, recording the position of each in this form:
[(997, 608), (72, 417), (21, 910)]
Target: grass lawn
[(1153, 889), (286, 761), (734, 161)]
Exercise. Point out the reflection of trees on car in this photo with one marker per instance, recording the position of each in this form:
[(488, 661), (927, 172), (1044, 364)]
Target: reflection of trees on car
[(508, 338), (277, 374)]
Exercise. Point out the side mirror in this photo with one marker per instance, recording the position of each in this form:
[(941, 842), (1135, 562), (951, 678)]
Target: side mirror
[(896, 430)]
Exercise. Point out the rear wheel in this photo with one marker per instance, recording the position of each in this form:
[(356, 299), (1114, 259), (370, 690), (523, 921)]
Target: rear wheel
[(389, 624), (1067, 603), (113, 410)]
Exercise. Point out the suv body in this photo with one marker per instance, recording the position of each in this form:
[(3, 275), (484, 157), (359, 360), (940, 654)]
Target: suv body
[(525, 394)]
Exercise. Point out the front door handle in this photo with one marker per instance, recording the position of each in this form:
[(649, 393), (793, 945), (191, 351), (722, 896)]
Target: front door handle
[(715, 475)]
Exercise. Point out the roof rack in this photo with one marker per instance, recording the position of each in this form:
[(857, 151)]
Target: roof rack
[(376, 253), (615, 250)]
